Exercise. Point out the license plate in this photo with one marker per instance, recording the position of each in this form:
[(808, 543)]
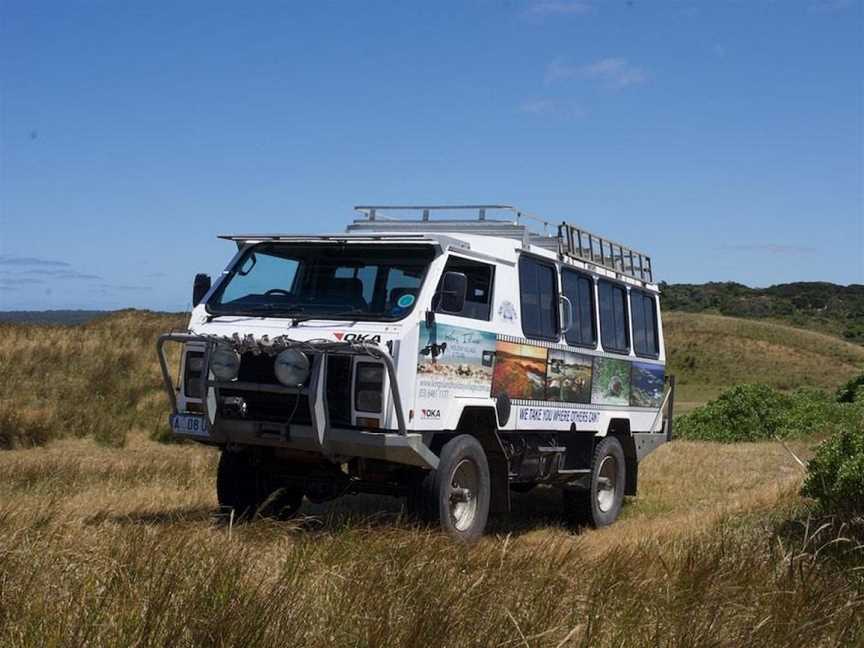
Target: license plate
[(191, 424)]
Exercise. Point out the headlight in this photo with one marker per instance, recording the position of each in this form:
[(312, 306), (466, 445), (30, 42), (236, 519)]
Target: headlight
[(368, 387), (225, 363), (291, 367)]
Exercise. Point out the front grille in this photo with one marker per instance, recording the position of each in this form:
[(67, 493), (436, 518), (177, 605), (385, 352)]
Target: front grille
[(264, 406), (339, 389)]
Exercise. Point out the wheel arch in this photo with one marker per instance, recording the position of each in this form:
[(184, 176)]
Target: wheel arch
[(620, 429), (481, 423)]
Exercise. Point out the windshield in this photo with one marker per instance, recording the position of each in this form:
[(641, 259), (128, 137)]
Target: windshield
[(324, 280)]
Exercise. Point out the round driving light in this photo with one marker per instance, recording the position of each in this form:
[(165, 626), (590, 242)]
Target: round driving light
[(291, 367), (225, 363)]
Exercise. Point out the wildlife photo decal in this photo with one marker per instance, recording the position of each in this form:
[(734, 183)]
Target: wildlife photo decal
[(647, 385), (454, 361), (568, 377), (520, 371), (611, 384)]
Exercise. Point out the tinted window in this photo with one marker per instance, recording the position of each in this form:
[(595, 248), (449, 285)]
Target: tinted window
[(478, 294), (613, 317), (643, 307), (539, 296), (579, 289)]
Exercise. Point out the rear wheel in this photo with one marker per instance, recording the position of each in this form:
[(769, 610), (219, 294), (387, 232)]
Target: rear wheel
[(600, 505), (242, 486), (457, 494)]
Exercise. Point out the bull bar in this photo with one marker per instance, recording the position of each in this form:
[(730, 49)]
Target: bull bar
[(399, 446)]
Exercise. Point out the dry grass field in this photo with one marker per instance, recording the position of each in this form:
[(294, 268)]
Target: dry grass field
[(108, 538), (120, 547)]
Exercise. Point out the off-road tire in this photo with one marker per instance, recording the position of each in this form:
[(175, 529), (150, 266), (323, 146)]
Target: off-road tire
[(430, 496), (241, 486), (583, 507)]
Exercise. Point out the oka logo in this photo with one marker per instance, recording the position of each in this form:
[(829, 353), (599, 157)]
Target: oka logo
[(358, 337), (430, 413)]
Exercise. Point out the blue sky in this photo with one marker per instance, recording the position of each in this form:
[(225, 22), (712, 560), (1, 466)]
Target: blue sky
[(723, 138)]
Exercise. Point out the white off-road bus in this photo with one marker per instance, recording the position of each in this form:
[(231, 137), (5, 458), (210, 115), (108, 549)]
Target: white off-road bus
[(447, 354)]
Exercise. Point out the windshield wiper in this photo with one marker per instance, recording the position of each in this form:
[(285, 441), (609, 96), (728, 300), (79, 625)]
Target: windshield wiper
[(262, 311), (297, 313), (324, 316)]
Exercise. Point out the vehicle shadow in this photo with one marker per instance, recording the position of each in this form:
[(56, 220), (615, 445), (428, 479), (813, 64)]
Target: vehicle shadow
[(538, 510)]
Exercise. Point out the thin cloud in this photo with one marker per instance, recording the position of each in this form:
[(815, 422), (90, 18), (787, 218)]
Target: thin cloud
[(8, 260), (616, 73), (156, 275), (537, 107), (20, 281), (64, 274), (546, 8), (549, 107), (770, 248), (124, 288), (830, 6)]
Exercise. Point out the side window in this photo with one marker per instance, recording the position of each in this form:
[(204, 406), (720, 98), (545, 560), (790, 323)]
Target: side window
[(613, 317), (539, 296), (478, 295), (643, 309), (579, 289)]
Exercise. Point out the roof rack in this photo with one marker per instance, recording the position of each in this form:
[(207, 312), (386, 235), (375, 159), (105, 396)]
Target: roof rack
[(568, 240)]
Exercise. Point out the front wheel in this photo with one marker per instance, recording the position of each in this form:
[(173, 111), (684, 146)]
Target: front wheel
[(600, 505), (456, 495)]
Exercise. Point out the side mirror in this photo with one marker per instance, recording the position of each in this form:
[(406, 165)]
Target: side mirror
[(199, 288), (454, 285)]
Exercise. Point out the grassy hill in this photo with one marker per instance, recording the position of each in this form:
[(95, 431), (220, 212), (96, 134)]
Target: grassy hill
[(102, 378), (708, 353), (820, 306), (69, 317)]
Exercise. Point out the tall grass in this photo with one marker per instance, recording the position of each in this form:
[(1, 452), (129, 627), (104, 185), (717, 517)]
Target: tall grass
[(105, 546), (157, 585), (100, 379)]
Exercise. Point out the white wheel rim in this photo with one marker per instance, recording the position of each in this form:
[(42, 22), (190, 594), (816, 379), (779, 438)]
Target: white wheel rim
[(607, 478), (462, 494)]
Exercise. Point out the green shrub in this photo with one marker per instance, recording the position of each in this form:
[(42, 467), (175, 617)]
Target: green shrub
[(742, 413), (758, 413), (852, 390), (835, 476), (811, 412)]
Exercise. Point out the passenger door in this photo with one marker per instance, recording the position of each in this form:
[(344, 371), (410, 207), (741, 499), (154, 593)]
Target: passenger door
[(456, 355)]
